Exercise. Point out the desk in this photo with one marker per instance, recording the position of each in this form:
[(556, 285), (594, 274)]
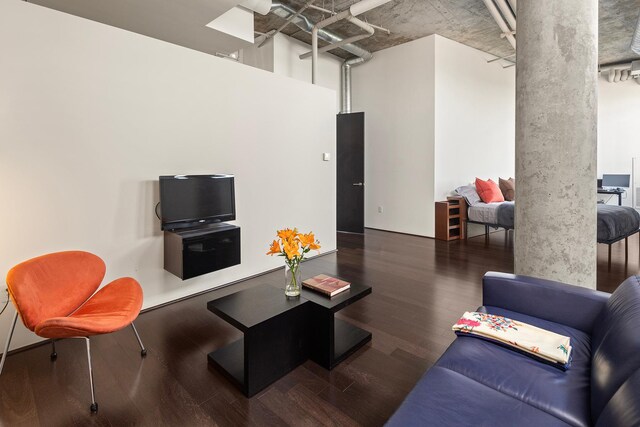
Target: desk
[(611, 193)]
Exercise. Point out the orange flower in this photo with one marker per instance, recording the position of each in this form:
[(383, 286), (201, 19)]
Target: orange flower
[(287, 233), (275, 248), (291, 248), (307, 239), (314, 246)]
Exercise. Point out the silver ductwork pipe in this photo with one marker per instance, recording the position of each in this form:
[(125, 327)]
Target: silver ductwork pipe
[(345, 93), (306, 25), (362, 55), (349, 15)]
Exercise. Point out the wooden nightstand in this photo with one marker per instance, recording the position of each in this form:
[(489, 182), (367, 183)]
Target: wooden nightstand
[(451, 216)]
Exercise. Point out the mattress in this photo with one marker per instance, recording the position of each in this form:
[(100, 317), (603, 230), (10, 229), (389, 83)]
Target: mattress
[(615, 222), (486, 213)]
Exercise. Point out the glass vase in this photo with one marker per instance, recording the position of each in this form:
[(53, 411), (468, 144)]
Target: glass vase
[(292, 281)]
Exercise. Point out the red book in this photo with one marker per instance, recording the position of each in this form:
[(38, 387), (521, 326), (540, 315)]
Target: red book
[(327, 285)]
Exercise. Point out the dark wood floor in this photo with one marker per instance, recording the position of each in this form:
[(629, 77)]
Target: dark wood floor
[(420, 287)]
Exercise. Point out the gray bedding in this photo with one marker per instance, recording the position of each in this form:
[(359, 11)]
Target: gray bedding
[(497, 214), (615, 222), (506, 215)]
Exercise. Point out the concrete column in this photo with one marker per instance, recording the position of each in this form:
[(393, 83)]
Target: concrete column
[(556, 136)]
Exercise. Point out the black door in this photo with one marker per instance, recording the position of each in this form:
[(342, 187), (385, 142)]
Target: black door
[(350, 166)]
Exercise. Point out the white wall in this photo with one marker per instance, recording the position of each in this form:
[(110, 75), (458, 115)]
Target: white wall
[(281, 55), (91, 115), (396, 91), (259, 57), (446, 118), (287, 62), (475, 117), (618, 128)]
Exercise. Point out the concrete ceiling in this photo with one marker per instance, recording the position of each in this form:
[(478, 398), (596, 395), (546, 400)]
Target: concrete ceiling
[(465, 21), (183, 22)]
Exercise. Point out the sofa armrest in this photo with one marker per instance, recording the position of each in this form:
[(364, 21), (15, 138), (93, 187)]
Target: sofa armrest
[(569, 305)]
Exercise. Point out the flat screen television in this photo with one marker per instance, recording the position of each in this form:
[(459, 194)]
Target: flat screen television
[(612, 180), (192, 200)]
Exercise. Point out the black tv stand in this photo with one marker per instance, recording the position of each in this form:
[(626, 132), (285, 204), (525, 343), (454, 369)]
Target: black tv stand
[(191, 252)]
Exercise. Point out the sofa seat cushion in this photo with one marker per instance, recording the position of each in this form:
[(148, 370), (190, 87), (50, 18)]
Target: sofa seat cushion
[(447, 398), (565, 395)]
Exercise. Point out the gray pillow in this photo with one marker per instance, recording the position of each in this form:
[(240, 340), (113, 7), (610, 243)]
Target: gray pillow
[(470, 194)]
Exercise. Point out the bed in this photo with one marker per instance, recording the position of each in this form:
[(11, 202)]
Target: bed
[(615, 223)]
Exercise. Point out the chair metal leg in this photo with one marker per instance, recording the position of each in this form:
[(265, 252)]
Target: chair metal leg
[(6, 346), (94, 404), (54, 355), (143, 351)]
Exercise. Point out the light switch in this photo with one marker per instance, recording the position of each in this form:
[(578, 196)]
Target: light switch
[(326, 156)]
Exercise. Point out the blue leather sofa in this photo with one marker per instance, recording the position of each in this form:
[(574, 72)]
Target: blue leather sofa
[(480, 383)]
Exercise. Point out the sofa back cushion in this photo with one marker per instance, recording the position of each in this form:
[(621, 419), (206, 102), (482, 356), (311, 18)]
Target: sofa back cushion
[(615, 345), (623, 408)]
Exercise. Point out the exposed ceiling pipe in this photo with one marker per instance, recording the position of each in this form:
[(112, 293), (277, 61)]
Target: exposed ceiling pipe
[(345, 93), (345, 89), (507, 13), (514, 6), (369, 32), (362, 55), (618, 65), (314, 40), (288, 21), (338, 44), (322, 9), (624, 75), (328, 36), (635, 42), (502, 58), (506, 31), (620, 71), (354, 10)]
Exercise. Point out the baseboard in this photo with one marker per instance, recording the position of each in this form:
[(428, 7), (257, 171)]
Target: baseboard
[(400, 232)]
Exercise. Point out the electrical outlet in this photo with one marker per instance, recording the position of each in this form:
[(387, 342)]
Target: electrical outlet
[(380, 210)]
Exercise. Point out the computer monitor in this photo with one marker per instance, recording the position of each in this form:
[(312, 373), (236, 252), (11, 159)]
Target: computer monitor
[(616, 180)]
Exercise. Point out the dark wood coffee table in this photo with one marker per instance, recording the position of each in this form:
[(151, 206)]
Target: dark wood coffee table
[(275, 337), (334, 339), (280, 333)]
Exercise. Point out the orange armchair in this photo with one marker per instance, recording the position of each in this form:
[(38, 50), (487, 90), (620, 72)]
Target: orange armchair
[(55, 296)]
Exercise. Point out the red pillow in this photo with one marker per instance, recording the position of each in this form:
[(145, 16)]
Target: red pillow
[(489, 191)]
